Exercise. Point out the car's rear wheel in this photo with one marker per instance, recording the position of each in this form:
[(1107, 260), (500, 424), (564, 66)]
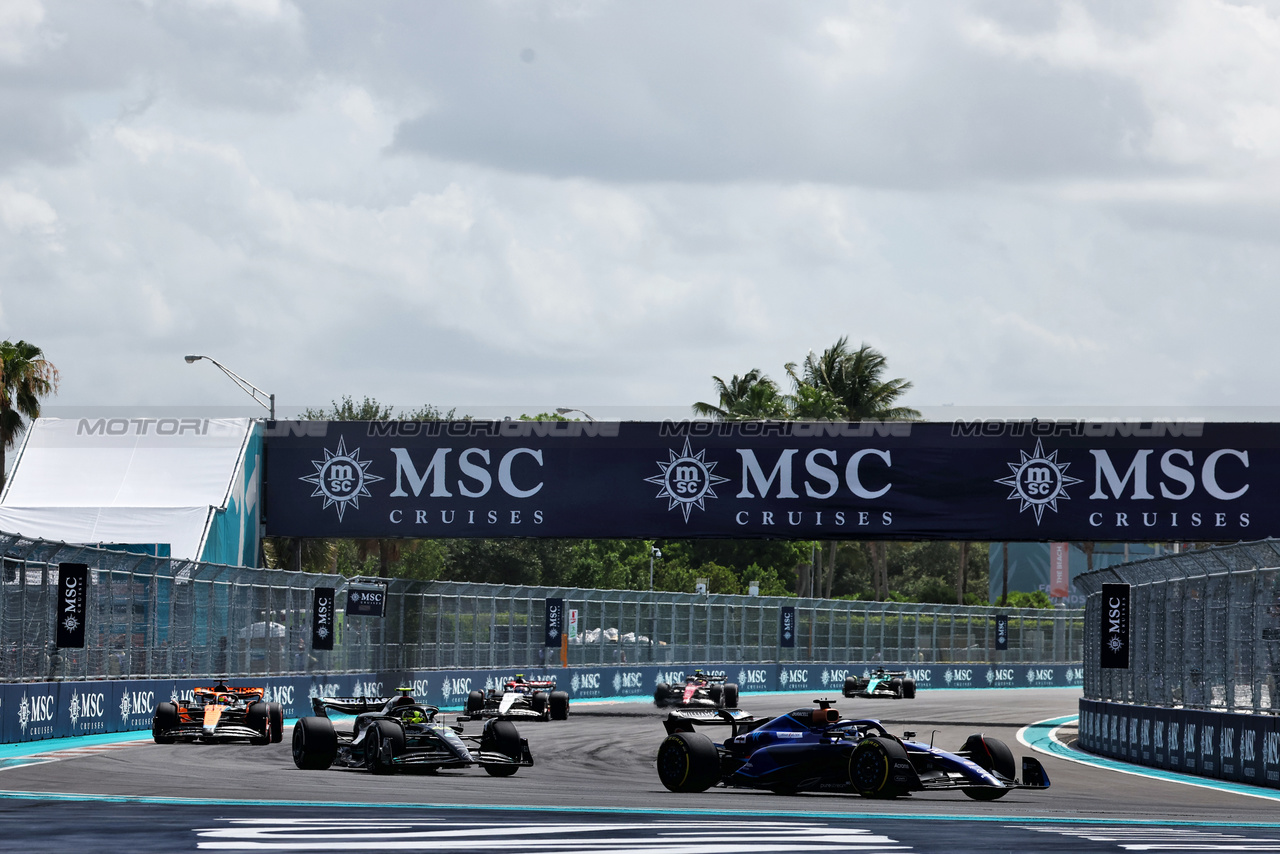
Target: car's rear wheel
[(275, 714), (731, 696), (661, 693), (559, 706), (688, 762), (475, 702), (908, 689), (165, 720), (315, 744), (383, 732), (258, 718), (502, 737), (850, 686), (871, 767)]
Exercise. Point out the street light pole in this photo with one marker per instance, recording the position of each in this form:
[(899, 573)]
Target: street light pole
[(263, 399), (564, 410), (653, 552)]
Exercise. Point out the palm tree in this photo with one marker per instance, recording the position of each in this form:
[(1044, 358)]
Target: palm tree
[(750, 397), (25, 377), (853, 380)]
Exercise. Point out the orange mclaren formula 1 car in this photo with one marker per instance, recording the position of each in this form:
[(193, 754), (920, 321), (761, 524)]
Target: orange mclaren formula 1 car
[(220, 714)]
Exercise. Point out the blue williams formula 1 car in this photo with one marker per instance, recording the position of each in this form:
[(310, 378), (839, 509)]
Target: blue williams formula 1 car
[(815, 750), (398, 733)]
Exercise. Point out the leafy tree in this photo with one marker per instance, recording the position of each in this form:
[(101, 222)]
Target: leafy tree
[(853, 379), (750, 397), (1025, 599), (25, 377), (370, 409)]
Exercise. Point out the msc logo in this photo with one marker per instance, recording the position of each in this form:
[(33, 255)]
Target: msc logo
[(999, 674), (136, 703), (585, 682), (90, 707), (367, 689), (341, 478), (417, 687), (957, 674), (324, 689), (282, 694), (788, 676), (1039, 674), (753, 677), (456, 687), (922, 675), (1038, 481), (687, 480), (671, 677), (632, 680), (833, 677)]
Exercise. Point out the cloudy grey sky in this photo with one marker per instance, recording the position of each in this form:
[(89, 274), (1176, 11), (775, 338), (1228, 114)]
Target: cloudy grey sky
[(601, 204)]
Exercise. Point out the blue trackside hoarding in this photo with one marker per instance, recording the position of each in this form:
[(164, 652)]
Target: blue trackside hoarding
[(1239, 747), (38, 710)]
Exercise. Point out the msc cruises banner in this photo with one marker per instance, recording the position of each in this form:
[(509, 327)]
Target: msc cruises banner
[(982, 480)]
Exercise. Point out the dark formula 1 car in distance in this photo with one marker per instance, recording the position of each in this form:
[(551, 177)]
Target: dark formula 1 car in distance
[(396, 733), (219, 714), (881, 684), (699, 690), (525, 699), (815, 750)]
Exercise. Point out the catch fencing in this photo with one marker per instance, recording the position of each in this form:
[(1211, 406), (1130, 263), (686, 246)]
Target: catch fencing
[(1204, 630), (150, 617)]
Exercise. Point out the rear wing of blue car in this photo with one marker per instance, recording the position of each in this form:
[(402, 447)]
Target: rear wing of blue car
[(684, 720)]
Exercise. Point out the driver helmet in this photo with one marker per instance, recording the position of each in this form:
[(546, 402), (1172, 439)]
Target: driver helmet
[(414, 716)]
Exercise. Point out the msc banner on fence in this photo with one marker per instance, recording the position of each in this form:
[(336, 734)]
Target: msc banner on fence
[(555, 621), (982, 480), (1002, 631), (322, 618), (73, 593), (366, 600), (787, 626), (1114, 649)]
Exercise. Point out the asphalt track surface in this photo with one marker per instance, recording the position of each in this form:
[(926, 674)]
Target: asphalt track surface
[(596, 771)]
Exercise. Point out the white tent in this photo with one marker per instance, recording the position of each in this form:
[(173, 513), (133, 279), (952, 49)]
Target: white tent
[(187, 483)]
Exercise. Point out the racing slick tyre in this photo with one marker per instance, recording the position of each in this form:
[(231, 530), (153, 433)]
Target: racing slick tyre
[(688, 762), (258, 717), (661, 694), (559, 706), (166, 718), (380, 732), (716, 693), (895, 687), (538, 702), (850, 686), (908, 689), (871, 767), (990, 754), (501, 737), (730, 696), (475, 702), (315, 744), (275, 714)]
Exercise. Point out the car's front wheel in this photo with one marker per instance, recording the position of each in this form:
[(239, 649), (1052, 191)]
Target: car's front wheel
[(275, 715), (688, 762), (258, 718), (384, 741), (501, 737), (165, 720)]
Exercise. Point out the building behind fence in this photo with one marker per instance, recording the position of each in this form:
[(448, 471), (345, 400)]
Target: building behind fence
[(157, 617), (1205, 630)]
